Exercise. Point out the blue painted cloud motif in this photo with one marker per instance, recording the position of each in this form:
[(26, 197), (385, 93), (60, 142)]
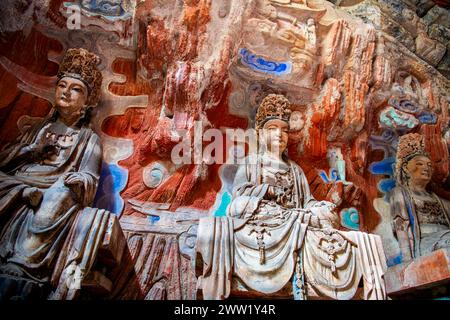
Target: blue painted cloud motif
[(112, 10), (411, 108), (107, 8), (259, 64), (333, 176), (384, 167), (350, 218), (397, 120), (428, 118), (113, 180), (405, 105)]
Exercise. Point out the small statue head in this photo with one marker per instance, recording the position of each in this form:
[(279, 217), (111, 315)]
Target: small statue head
[(413, 166), (78, 85), (273, 119)]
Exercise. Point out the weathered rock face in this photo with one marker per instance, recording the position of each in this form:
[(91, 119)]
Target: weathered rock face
[(421, 26), (359, 74)]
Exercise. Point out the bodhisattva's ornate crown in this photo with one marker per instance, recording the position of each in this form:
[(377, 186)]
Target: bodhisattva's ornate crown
[(409, 146), (81, 64), (274, 106)]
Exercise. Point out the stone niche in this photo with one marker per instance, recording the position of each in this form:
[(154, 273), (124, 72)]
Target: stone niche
[(359, 75)]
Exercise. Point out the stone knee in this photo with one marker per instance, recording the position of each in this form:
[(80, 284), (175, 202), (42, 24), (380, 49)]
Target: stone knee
[(56, 201)]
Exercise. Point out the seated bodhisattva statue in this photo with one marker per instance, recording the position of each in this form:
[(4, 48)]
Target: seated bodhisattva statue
[(421, 219), (47, 178), (275, 231)]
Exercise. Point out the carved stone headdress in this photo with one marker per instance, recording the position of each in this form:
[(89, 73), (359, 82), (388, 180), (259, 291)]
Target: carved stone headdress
[(81, 64), (274, 106), (409, 146)]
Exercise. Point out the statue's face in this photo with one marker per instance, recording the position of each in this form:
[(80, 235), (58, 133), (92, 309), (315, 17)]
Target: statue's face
[(276, 135), (70, 97), (420, 169)]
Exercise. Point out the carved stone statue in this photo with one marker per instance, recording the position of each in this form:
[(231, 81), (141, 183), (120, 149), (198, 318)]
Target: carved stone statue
[(420, 217), (289, 30), (47, 177), (275, 230)]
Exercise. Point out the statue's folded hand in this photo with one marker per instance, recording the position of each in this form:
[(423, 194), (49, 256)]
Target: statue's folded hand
[(45, 145), (43, 140), (274, 192), (73, 178), (323, 210), (324, 204), (75, 182)]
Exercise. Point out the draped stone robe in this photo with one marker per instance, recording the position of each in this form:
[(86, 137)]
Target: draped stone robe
[(32, 237), (228, 246), (416, 239), (260, 239)]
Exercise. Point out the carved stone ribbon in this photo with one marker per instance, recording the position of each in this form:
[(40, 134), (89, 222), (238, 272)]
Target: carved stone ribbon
[(260, 229), (332, 243)]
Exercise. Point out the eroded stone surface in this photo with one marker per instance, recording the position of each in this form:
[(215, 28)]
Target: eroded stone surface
[(427, 271)]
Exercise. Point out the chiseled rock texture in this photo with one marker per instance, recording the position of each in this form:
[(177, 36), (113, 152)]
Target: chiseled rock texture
[(421, 26)]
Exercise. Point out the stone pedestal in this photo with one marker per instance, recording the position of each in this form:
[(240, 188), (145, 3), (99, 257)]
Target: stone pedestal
[(428, 272), (90, 257), (240, 291)]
